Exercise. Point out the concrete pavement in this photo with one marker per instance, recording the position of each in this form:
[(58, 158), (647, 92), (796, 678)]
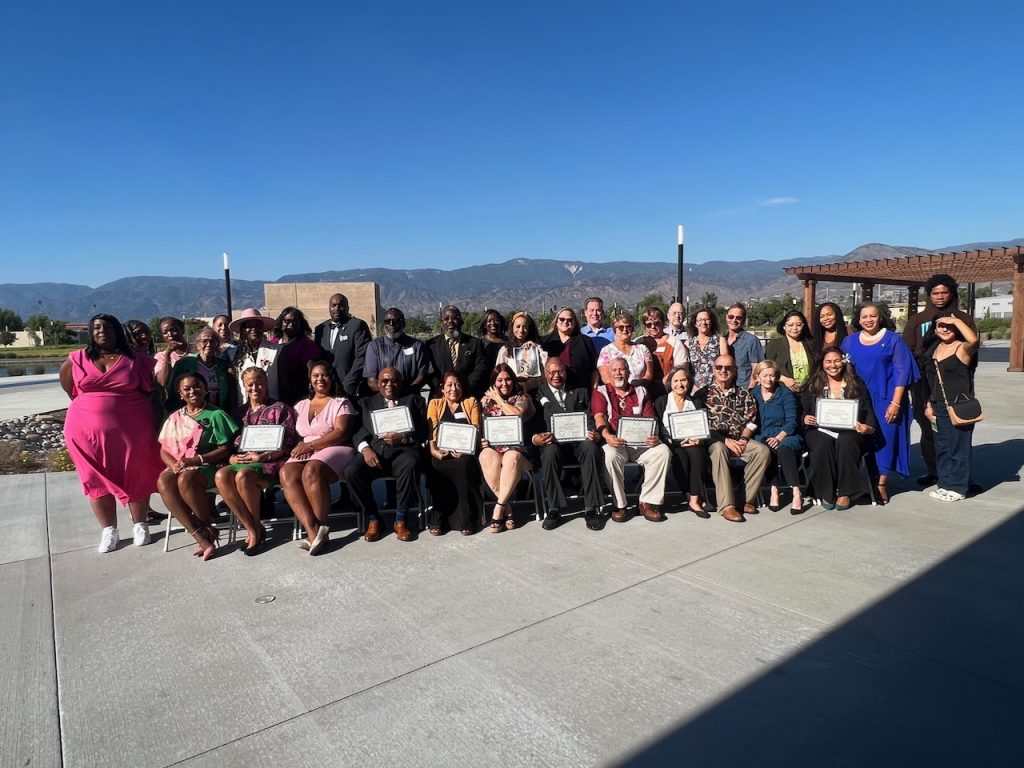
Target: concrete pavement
[(880, 635)]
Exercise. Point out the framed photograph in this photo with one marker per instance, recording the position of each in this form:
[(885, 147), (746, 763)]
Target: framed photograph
[(397, 419), (262, 437), (569, 427), (836, 413), (688, 425), (635, 430), (460, 438), (527, 361), (503, 430)]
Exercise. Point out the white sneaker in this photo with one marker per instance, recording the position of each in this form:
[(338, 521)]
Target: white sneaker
[(109, 539), (953, 495), (140, 534), (938, 493)]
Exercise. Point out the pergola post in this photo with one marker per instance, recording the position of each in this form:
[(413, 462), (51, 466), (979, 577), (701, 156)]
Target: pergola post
[(867, 292), (1017, 323), (912, 291), (809, 300)]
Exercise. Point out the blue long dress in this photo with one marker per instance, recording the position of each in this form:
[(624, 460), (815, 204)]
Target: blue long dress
[(883, 366)]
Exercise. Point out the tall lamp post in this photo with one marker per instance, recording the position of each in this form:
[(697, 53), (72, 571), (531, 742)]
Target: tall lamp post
[(227, 283), (679, 272)]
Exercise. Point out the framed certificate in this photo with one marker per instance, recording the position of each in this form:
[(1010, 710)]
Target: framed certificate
[(262, 437), (635, 430), (527, 362), (503, 430), (836, 413), (686, 425), (397, 419), (569, 427), (460, 438)]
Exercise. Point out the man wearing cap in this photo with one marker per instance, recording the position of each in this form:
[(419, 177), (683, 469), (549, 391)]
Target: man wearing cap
[(344, 338), (395, 349), (942, 294)]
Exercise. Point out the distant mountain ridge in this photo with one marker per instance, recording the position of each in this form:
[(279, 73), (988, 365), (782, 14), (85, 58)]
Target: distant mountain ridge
[(533, 284)]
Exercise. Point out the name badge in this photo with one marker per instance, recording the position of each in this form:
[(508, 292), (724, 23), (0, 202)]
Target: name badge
[(661, 349), (636, 409), (407, 351), (460, 415), (544, 401), (343, 338)]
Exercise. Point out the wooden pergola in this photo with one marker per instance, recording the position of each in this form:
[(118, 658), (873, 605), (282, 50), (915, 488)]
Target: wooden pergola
[(967, 267)]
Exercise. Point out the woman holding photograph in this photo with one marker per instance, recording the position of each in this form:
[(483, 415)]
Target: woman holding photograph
[(523, 353)]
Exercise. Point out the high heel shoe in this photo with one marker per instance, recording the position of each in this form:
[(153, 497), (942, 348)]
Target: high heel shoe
[(497, 520), (883, 494), (256, 548), (206, 537)]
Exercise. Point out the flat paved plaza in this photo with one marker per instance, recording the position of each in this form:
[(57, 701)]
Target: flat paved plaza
[(872, 637)]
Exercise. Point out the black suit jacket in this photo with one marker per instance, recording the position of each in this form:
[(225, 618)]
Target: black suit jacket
[(778, 352), (661, 403), (576, 401), (582, 358), (471, 363), (420, 429), (348, 353)]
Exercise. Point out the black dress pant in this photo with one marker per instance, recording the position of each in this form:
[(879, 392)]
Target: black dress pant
[(785, 459), (835, 463), (689, 465), (400, 462), (454, 486), (555, 456)]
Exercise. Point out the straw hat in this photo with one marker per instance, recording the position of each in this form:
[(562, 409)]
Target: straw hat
[(251, 314)]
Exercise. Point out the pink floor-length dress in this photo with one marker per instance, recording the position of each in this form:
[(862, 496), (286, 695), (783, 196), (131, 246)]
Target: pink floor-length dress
[(110, 431)]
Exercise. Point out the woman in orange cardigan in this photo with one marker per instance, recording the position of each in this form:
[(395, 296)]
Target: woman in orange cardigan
[(454, 478)]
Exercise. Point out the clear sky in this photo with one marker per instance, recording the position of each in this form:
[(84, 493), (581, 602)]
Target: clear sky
[(148, 137)]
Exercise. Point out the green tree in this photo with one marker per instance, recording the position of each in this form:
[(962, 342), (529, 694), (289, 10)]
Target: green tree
[(46, 330), (416, 326), (653, 300), (709, 300), (10, 321)]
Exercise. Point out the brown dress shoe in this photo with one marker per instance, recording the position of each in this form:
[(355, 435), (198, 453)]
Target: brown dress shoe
[(402, 532), (372, 530), (620, 515), (733, 515), (750, 508), (652, 513)]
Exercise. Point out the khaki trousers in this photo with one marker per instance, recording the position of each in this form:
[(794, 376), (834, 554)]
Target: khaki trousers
[(655, 461), (756, 456)]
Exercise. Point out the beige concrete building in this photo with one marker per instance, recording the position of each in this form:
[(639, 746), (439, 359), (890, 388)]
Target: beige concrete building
[(312, 299)]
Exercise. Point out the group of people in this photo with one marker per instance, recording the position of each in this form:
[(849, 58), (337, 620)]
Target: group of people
[(256, 402)]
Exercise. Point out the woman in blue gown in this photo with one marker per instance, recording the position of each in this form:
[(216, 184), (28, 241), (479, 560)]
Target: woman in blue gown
[(886, 365)]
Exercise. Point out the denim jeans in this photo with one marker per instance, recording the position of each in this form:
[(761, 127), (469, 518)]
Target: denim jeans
[(952, 452)]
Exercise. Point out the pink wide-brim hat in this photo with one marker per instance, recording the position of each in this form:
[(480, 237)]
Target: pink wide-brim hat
[(251, 314)]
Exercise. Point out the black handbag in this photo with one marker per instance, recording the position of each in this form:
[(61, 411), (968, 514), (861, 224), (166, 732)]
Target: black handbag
[(964, 410)]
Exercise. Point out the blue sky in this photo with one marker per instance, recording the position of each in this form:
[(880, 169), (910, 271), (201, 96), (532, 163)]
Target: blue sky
[(147, 138)]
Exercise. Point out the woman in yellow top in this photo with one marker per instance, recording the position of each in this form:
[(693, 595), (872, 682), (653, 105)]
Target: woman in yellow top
[(454, 477), (791, 351)]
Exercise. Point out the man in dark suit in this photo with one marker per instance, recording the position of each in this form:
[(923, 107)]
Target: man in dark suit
[(344, 339), (454, 349), (392, 453), (553, 398)]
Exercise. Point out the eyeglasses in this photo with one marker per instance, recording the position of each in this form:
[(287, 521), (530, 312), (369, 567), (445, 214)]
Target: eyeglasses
[(655, 324), (735, 317), (392, 320), (623, 327), (793, 325), (564, 319), (204, 342), (389, 381), (724, 367)]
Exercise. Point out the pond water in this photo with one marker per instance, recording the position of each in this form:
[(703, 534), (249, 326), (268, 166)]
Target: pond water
[(27, 369)]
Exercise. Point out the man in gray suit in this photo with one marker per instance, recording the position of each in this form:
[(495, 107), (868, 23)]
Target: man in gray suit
[(344, 339), (553, 398)]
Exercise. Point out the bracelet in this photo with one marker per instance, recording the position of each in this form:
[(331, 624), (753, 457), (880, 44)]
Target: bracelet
[(893, 402)]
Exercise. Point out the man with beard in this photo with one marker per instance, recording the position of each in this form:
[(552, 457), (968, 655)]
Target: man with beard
[(344, 338), (395, 349), (943, 295), (453, 349)]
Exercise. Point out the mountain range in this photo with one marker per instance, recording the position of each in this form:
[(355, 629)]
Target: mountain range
[(533, 284)]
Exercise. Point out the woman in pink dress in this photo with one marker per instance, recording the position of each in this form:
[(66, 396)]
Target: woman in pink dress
[(110, 430), (324, 423)]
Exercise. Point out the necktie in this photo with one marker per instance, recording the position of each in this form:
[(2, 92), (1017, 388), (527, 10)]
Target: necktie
[(560, 396), (392, 403), (453, 349)]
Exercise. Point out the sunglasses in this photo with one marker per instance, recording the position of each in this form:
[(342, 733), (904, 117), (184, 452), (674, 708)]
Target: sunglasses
[(623, 327), (724, 367), (735, 317), (564, 319), (390, 381), (655, 324), (392, 320)]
